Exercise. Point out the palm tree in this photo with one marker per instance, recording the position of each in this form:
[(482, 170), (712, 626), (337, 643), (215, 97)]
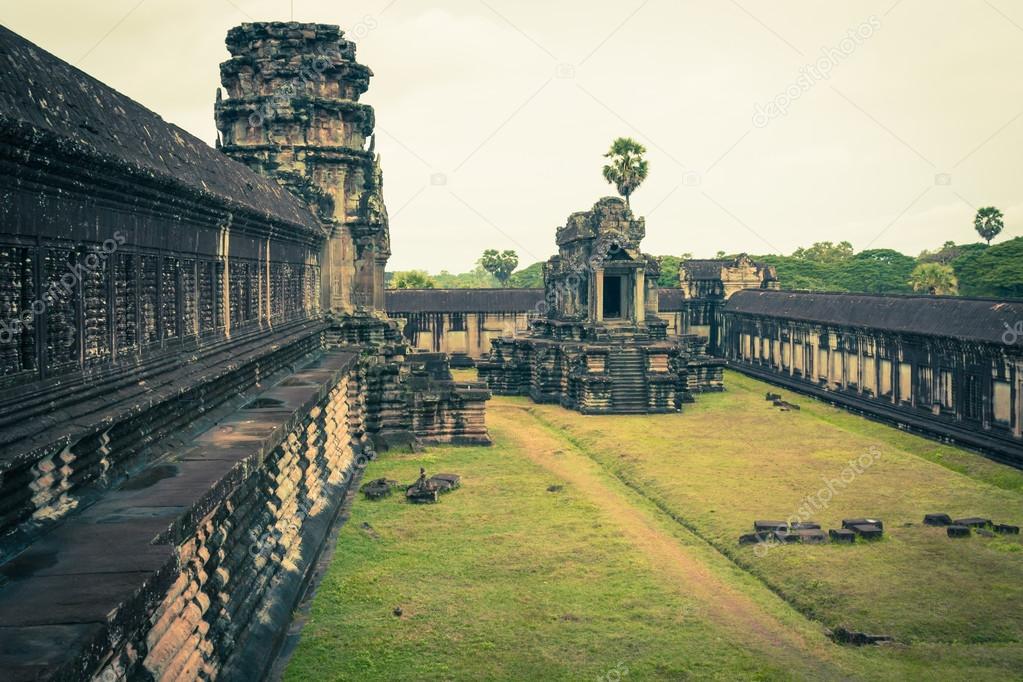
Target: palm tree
[(934, 278), (500, 264), (627, 168), (412, 279), (988, 223)]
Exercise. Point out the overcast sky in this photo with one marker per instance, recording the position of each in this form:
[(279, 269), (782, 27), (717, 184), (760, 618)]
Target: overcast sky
[(492, 115)]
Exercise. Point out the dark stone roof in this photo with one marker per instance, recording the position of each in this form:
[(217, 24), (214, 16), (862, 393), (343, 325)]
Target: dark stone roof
[(974, 319), (462, 300), (710, 268), (705, 268), (670, 300), (45, 101)]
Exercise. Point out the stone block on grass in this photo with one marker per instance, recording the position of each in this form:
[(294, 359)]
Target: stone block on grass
[(754, 538), (446, 482), (770, 525), (973, 522), (785, 537), (958, 531), (867, 531), (849, 523), (842, 535), (1006, 529), (811, 536), (937, 520)]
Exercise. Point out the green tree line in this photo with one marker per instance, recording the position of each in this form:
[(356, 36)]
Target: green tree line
[(967, 269)]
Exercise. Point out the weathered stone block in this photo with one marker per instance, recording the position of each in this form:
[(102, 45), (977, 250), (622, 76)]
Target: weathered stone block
[(937, 520), (973, 522), (842, 535), (849, 523), (867, 531), (955, 531), (811, 536), (786, 537), (844, 636)]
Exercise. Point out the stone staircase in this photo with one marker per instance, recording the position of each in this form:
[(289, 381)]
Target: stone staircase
[(627, 368)]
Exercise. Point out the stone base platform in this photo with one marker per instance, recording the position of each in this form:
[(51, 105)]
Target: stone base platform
[(188, 568), (614, 376)]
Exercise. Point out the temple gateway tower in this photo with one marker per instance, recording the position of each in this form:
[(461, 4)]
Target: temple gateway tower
[(292, 113), (597, 344)]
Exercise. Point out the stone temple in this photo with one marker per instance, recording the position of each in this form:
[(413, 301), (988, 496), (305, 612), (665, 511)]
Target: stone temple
[(194, 357), (599, 345), (198, 356)]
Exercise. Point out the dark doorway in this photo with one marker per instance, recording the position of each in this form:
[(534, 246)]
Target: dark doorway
[(612, 297)]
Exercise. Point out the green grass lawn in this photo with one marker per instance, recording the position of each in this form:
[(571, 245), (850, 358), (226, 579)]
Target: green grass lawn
[(630, 570)]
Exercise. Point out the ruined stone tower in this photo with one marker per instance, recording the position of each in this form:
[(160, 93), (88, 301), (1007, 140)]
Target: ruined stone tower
[(600, 346), (292, 113)]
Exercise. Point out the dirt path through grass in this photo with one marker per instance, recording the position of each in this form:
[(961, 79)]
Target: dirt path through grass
[(647, 529)]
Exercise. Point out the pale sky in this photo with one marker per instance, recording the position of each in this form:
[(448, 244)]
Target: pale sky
[(512, 103)]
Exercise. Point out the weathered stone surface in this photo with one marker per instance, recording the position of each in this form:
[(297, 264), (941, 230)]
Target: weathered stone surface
[(867, 531), (850, 523), (753, 538), (842, 535), (844, 636), (973, 522), (1006, 529), (217, 520), (958, 531), (770, 525), (423, 491), (937, 520), (292, 113), (378, 488), (786, 537), (600, 346), (811, 536), (446, 482), (164, 489)]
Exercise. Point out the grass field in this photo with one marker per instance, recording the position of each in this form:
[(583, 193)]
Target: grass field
[(605, 548)]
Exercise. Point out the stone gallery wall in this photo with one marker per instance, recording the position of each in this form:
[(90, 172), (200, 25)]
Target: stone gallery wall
[(156, 299), (212, 543), (946, 366), (124, 239), (182, 410), (464, 323)]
